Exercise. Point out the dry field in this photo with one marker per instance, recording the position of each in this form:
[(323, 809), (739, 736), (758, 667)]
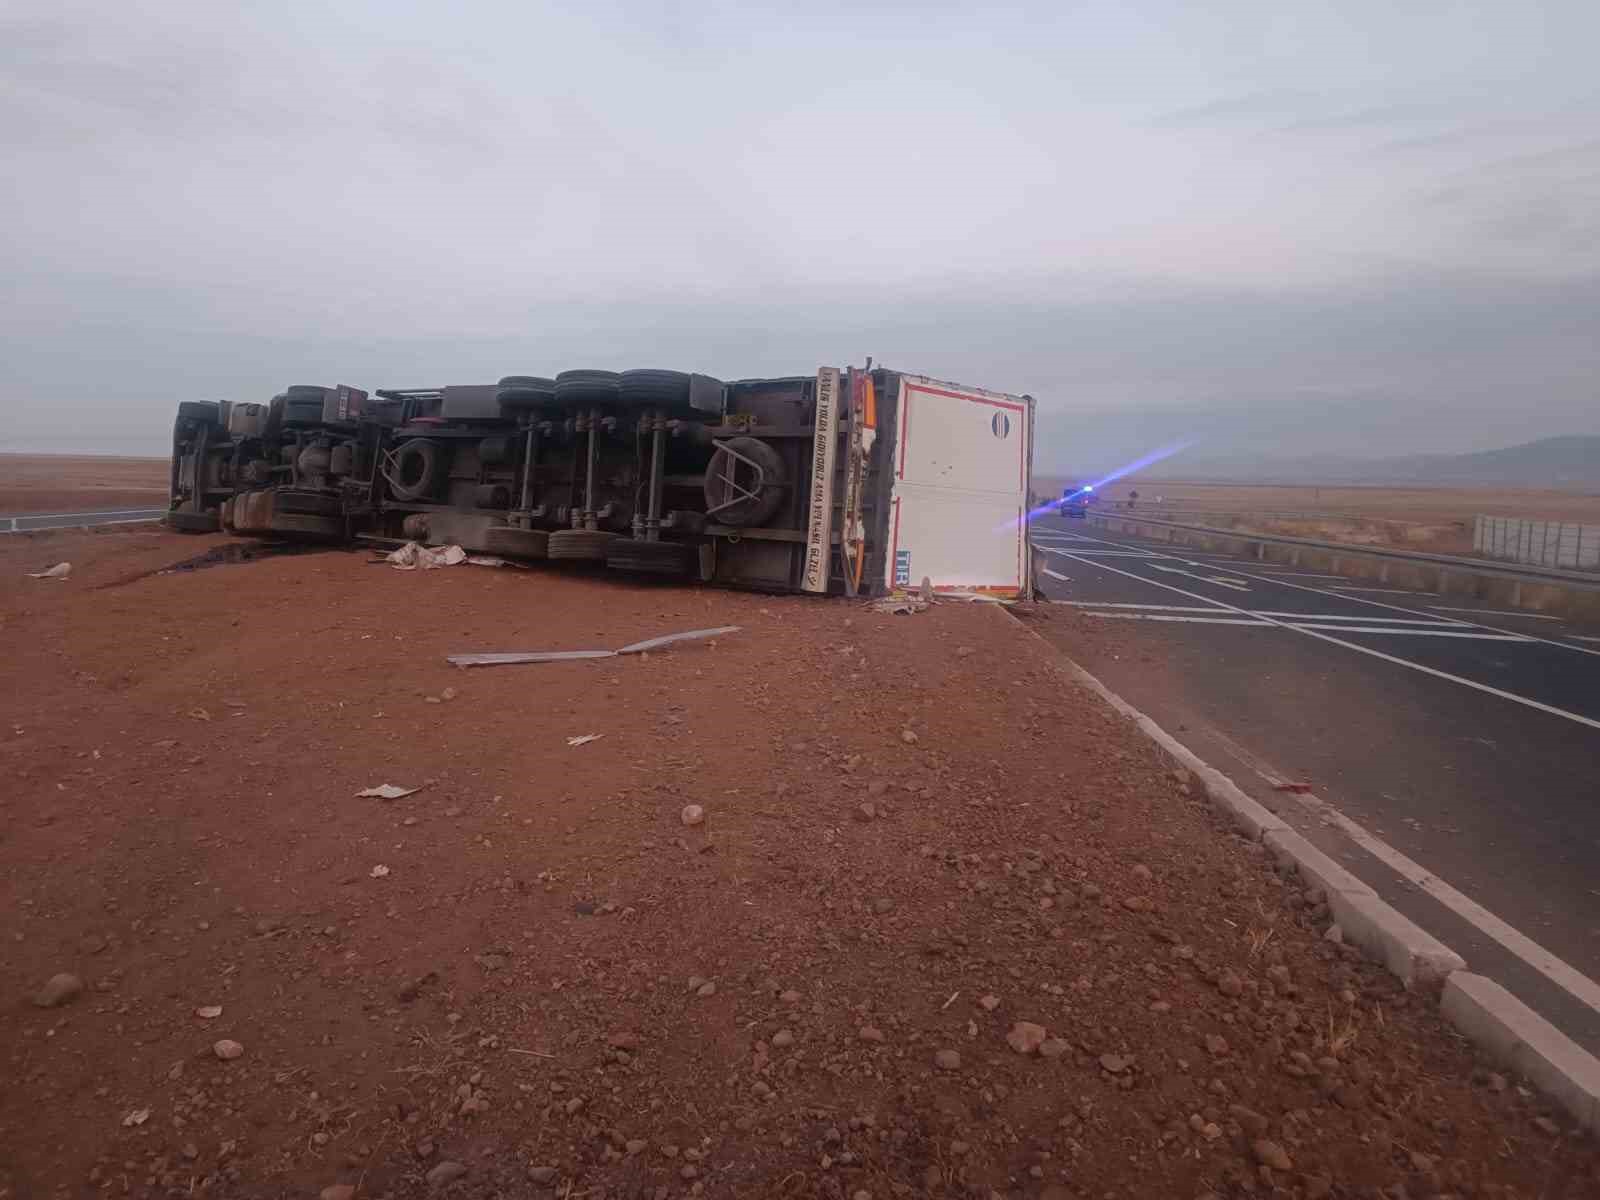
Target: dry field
[(44, 483), (922, 852)]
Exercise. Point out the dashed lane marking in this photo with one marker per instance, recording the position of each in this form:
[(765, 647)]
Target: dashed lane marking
[(1133, 616)]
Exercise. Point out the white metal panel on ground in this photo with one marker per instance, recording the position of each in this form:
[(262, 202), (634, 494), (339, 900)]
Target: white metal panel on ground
[(960, 487)]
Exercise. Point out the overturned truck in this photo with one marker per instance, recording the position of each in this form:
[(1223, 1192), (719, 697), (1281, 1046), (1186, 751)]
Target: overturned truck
[(847, 481)]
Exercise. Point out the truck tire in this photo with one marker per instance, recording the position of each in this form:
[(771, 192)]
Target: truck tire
[(301, 405), (579, 545), (744, 511), (508, 541), (193, 522), (206, 411), (673, 559), (583, 389), (417, 465), (653, 389), (521, 392)]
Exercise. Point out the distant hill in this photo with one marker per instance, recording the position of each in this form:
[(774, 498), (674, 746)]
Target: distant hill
[(1555, 462)]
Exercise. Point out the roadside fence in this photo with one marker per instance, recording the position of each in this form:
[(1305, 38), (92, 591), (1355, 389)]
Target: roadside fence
[(1544, 543)]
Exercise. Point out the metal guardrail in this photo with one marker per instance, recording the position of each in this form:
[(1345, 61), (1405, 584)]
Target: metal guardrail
[(1523, 573), (40, 522)]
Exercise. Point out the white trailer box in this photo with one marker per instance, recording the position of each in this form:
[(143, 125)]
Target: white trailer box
[(959, 493)]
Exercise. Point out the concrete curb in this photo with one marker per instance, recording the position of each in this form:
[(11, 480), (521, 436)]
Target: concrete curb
[(1489, 1016), (1523, 1040)]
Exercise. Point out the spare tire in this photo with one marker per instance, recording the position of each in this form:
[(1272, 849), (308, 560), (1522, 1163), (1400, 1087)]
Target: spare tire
[(650, 558), (585, 388), (580, 545), (725, 470), (416, 470)]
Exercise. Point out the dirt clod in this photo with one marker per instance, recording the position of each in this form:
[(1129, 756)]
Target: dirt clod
[(58, 990)]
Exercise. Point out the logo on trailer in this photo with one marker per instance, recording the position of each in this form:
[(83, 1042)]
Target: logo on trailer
[(1001, 424)]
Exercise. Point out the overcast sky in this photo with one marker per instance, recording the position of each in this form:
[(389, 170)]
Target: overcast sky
[(1374, 226)]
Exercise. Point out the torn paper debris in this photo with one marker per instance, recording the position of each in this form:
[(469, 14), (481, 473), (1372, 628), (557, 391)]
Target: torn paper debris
[(415, 556)]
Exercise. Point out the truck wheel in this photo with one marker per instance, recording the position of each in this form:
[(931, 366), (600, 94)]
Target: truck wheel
[(650, 558), (520, 392), (416, 469), (580, 545), (193, 522), (206, 411), (581, 389), (508, 541), (725, 470), (653, 389)]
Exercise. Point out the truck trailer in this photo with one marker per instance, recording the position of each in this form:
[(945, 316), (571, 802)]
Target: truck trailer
[(847, 481)]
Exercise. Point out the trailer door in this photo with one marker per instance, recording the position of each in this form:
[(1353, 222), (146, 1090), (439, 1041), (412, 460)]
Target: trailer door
[(960, 493)]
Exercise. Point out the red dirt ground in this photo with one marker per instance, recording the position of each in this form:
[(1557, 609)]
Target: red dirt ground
[(562, 990), (51, 483)]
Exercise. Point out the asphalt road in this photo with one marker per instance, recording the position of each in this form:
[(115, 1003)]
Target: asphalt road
[(1454, 755), (23, 522)]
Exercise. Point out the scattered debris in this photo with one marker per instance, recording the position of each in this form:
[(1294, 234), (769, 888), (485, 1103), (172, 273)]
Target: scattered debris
[(584, 739), (414, 556), (379, 871), (388, 791), (898, 605), (60, 571), (137, 1117), (693, 635), (511, 657)]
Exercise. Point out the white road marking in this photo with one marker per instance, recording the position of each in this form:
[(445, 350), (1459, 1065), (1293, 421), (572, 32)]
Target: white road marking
[(1099, 553), (1449, 633), (1367, 650), (1058, 575), (1294, 574), (1415, 612), (1496, 612), (1385, 591), (1129, 616), (1271, 612), (1199, 608), (1237, 585)]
